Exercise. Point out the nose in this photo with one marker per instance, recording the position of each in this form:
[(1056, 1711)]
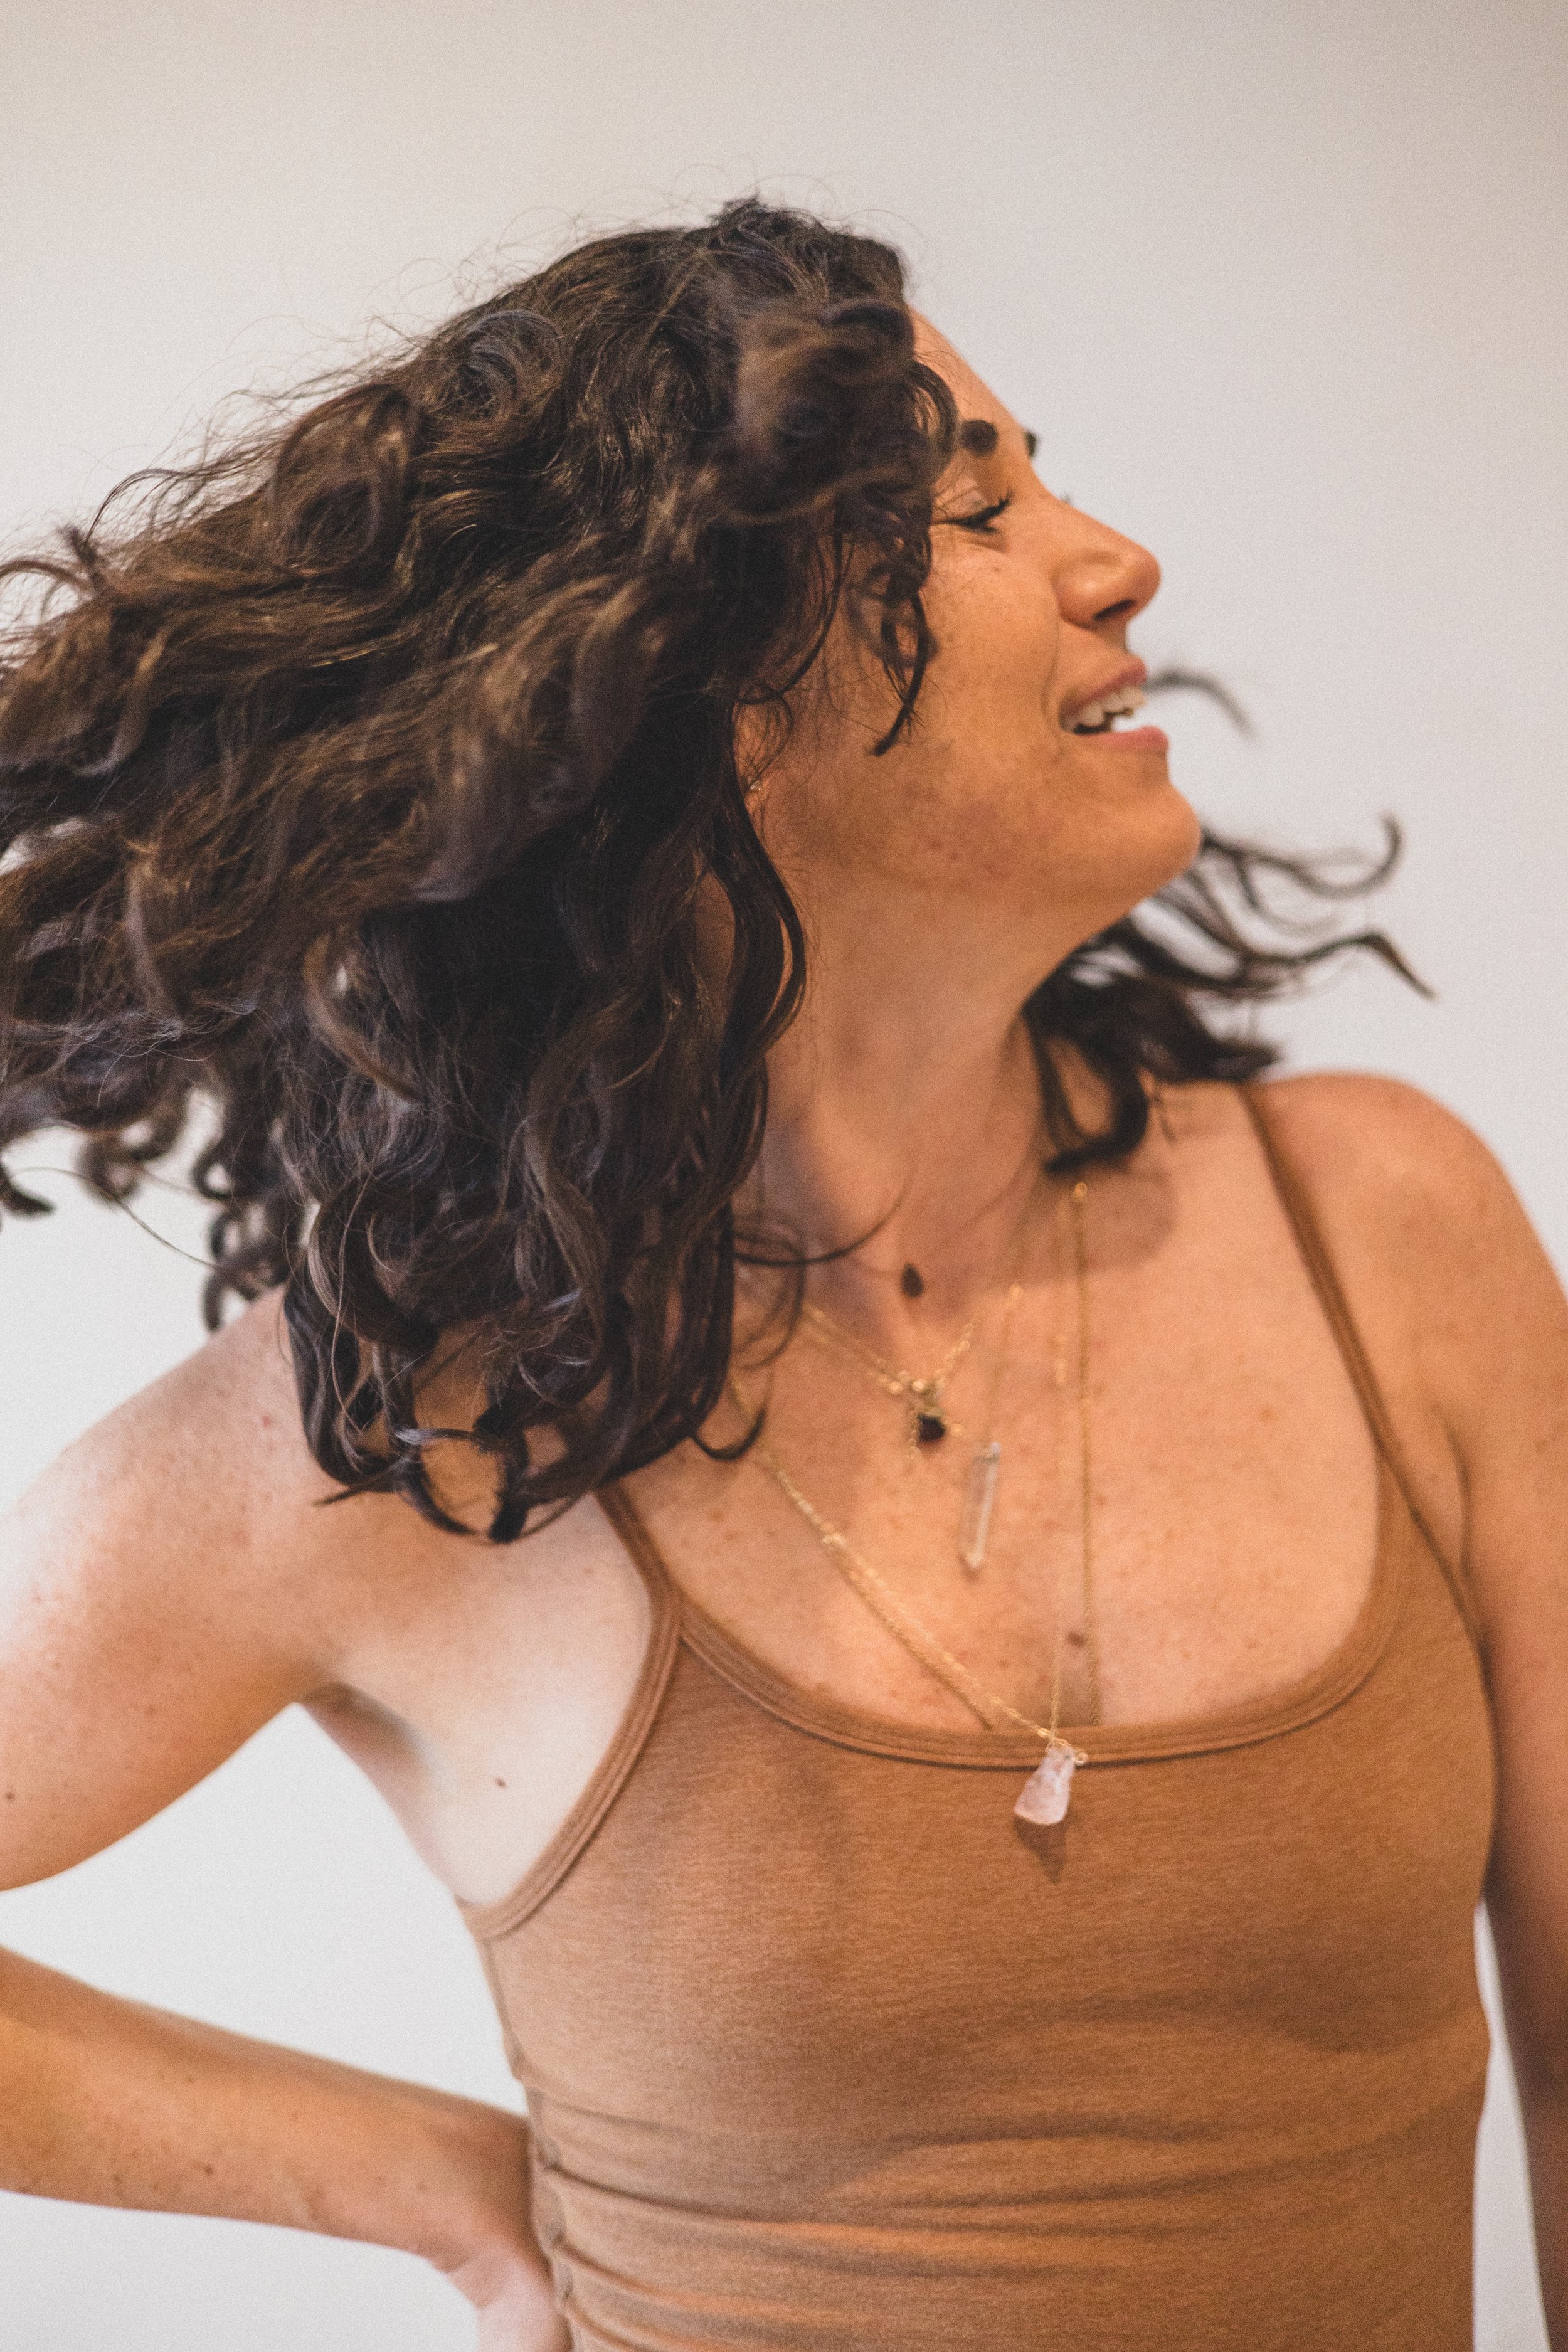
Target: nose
[(1102, 576)]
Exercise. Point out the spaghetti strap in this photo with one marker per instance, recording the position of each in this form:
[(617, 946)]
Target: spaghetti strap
[(490, 1921), (1325, 1281), (663, 1591)]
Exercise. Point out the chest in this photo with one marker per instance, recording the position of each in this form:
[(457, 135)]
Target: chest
[(1279, 1901), (1213, 1471), (1182, 1506)]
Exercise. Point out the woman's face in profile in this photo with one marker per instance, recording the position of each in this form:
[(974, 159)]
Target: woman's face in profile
[(995, 798)]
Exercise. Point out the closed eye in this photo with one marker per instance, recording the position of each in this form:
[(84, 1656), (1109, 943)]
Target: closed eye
[(982, 519)]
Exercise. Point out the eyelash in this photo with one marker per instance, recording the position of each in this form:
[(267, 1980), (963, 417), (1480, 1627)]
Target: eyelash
[(985, 517)]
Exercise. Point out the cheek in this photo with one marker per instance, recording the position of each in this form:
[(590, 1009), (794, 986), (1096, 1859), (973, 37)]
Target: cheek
[(998, 635), (993, 798), (988, 797), (987, 748)]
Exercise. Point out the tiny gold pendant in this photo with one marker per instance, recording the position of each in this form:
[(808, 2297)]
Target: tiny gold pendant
[(928, 1421)]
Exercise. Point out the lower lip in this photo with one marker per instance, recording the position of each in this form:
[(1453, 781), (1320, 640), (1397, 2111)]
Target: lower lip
[(1134, 738)]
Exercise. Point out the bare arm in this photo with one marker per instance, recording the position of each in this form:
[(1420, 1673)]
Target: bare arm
[(1515, 1445), (1475, 1326), (152, 1616), (112, 2103)]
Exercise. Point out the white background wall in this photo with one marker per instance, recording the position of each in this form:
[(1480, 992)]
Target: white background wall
[(1281, 287)]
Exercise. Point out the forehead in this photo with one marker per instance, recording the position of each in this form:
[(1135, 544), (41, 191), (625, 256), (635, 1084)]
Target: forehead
[(973, 395)]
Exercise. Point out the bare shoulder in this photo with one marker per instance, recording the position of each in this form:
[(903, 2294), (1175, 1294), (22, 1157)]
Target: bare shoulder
[(1417, 1213), (181, 1574), (213, 1458), (1416, 1207), (1357, 1139), (1456, 1297), (209, 1458)]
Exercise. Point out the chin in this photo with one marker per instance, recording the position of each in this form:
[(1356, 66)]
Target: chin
[(1145, 853), (1184, 830)]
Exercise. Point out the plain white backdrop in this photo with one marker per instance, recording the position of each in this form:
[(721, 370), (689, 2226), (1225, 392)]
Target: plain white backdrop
[(1282, 290)]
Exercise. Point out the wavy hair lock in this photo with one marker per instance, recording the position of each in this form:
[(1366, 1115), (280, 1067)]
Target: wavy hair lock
[(361, 783)]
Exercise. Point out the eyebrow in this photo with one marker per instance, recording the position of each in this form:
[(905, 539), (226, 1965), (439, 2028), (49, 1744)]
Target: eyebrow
[(979, 436)]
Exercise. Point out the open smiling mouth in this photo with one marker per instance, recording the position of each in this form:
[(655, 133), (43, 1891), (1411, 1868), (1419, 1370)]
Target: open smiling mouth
[(1099, 717)]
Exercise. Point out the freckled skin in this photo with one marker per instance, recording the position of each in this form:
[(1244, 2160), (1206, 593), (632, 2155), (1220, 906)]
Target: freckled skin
[(991, 814), (153, 1616)]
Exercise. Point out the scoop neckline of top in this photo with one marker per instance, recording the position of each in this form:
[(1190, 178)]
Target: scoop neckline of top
[(1267, 1717)]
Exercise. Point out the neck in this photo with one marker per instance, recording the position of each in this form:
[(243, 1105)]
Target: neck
[(904, 1115)]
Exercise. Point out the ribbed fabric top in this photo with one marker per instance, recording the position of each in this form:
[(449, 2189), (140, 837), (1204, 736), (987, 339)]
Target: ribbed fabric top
[(824, 2052)]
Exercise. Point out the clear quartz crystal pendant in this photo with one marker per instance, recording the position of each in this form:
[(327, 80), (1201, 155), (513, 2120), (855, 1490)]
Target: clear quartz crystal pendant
[(1047, 1792), (979, 1499)]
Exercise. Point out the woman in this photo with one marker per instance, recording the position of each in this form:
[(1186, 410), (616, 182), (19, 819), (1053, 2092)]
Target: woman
[(973, 1790)]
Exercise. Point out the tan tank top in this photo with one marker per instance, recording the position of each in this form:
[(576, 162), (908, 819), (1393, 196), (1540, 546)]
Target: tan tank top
[(824, 2050)]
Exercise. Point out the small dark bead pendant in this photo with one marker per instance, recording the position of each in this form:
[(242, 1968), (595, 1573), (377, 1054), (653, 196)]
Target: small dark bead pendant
[(909, 1283), (929, 1427)]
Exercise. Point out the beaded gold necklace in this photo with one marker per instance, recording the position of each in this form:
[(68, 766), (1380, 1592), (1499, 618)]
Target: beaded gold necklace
[(928, 1420)]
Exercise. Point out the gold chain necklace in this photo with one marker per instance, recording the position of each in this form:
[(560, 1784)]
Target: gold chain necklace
[(928, 1417), (986, 1462), (1046, 1795)]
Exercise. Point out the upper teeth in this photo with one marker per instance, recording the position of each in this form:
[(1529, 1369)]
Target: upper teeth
[(1126, 699)]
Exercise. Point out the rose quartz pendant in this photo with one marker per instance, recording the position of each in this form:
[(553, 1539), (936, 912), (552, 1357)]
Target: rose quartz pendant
[(1046, 1795)]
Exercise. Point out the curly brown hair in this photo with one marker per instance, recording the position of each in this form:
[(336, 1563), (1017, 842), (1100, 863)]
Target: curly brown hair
[(360, 780)]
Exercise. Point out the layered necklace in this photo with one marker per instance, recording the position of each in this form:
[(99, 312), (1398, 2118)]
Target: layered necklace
[(1046, 1795), (926, 1420)]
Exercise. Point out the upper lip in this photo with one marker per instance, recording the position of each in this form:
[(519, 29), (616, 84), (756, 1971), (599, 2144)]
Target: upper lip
[(1131, 673)]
